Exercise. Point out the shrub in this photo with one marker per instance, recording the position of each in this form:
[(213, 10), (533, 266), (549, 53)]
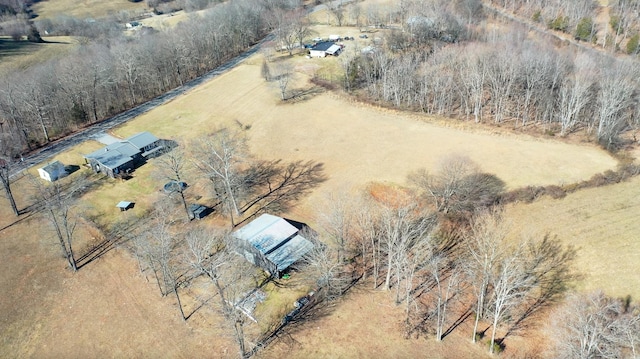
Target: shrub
[(585, 30), (632, 44), (537, 16), (497, 347), (556, 192), (561, 23), (614, 21)]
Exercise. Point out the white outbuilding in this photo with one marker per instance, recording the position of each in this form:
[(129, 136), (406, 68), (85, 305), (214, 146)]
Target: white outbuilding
[(53, 171)]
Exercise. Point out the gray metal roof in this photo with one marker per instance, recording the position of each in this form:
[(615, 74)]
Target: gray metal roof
[(276, 238), (124, 148), (291, 252), (120, 153), (142, 139), (112, 159), (333, 49), (323, 46)]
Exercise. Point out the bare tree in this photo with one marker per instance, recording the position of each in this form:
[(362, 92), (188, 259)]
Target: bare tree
[(59, 204), (575, 94), (501, 73), (158, 246), (326, 270), (265, 71), (402, 225), (284, 74), (472, 76), (483, 250), (172, 166), (338, 222), (336, 8), (366, 230), (413, 265), (220, 157), (7, 153), (290, 27), (615, 97), (211, 254), (446, 275), (355, 13), (458, 185), (584, 327), (510, 284)]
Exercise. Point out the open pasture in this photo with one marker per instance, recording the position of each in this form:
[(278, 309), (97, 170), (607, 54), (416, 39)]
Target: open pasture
[(602, 223), (108, 309), (20, 55), (84, 9), (359, 143)]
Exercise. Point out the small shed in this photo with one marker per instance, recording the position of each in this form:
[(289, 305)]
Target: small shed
[(198, 211), (322, 49), (124, 205), (272, 243), (53, 171)]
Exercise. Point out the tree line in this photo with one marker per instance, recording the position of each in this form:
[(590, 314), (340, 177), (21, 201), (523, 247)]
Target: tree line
[(578, 18), (501, 78), (446, 254), (102, 78)]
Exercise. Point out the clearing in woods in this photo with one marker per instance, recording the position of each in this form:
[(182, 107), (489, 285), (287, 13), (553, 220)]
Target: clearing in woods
[(108, 307)]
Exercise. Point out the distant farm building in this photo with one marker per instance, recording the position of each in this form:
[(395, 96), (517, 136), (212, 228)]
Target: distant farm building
[(123, 157), (322, 49), (53, 171), (272, 243)]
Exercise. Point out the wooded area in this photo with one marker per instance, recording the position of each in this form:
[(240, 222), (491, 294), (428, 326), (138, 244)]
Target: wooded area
[(438, 243), (111, 73), (467, 71)]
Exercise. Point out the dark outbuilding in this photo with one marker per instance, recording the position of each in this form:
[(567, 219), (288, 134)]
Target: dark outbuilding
[(272, 243)]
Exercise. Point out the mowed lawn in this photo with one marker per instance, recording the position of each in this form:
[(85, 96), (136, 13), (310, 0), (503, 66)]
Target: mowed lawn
[(603, 224)]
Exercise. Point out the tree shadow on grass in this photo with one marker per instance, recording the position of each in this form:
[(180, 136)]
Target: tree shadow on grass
[(313, 311), (28, 214)]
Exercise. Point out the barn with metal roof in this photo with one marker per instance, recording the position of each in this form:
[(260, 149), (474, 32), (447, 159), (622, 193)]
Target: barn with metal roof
[(273, 243)]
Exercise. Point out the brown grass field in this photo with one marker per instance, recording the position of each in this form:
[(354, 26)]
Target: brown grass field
[(86, 8), (602, 223), (20, 55), (108, 309)]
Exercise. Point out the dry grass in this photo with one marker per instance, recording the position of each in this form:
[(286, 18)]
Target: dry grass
[(86, 8), (167, 21), (20, 55), (107, 309), (602, 223), (367, 325)]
